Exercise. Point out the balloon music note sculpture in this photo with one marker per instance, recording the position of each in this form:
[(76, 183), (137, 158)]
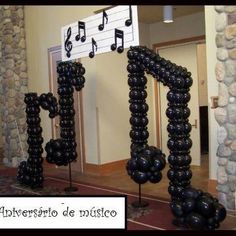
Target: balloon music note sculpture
[(61, 151), (191, 207)]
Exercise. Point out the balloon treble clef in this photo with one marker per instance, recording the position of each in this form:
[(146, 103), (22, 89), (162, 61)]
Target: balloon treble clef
[(68, 43)]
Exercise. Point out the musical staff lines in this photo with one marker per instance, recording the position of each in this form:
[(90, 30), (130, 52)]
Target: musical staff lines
[(100, 28)]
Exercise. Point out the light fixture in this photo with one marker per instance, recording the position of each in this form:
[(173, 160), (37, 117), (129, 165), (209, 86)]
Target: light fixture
[(167, 14)]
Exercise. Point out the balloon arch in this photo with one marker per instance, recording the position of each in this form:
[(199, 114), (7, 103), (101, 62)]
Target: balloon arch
[(191, 207)]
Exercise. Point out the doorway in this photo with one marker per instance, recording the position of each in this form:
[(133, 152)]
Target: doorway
[(189, 53), (54, 57), (203, 103)]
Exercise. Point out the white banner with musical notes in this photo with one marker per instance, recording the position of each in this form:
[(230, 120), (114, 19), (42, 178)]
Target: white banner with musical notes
[(110, 30)]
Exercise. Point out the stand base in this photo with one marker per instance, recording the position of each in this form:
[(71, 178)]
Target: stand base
[(71, 189), (139, 204)]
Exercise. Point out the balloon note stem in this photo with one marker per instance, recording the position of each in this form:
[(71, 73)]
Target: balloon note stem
[(70, 188), (140, 203)]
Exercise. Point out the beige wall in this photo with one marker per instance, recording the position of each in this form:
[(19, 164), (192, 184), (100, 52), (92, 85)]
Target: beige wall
[(182, 27), (144, 37), (212, 87), (105, 95), (112, 106), (144, 34)]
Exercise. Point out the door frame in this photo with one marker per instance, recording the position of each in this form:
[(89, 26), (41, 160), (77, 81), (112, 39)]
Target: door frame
[(54, 54), (156, 84)]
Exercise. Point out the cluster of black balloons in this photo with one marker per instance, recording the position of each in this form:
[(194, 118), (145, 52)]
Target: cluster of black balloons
[(63, 151), (146, 164), (179, 81), (30, 172), (60, 152), (198, 210), (49, 102), (70, 73)]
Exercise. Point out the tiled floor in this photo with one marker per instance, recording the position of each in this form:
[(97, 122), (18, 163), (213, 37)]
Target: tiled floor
[(122, 181)]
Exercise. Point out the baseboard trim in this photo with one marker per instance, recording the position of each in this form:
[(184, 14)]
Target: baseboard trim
[(212, 183), (105, 169)]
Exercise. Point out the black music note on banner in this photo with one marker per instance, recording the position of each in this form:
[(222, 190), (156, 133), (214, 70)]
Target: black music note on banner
[(118, 34), (68, 44), (81, 25), (129, 21), (94, 43), (104, 15)]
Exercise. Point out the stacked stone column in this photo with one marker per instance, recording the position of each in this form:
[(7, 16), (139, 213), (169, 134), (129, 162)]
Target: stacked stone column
[(13, 84), (225, 113)]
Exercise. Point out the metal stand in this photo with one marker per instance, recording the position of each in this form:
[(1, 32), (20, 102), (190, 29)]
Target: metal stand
[(70, 188), (139, 203)]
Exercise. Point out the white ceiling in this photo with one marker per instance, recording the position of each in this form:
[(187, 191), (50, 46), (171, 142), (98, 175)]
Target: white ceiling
[(154, 13)]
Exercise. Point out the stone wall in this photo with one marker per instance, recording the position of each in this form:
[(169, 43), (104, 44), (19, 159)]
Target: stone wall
[(13, 83), (225, 114)]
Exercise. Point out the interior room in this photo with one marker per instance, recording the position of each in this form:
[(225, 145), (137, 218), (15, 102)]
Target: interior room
[(35, 42)]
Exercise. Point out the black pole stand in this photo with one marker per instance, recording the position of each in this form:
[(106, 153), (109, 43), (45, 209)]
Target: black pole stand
[(70, 188), (139, 203)]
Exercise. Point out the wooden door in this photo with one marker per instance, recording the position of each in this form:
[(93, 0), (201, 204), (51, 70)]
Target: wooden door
[(54, 58)]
